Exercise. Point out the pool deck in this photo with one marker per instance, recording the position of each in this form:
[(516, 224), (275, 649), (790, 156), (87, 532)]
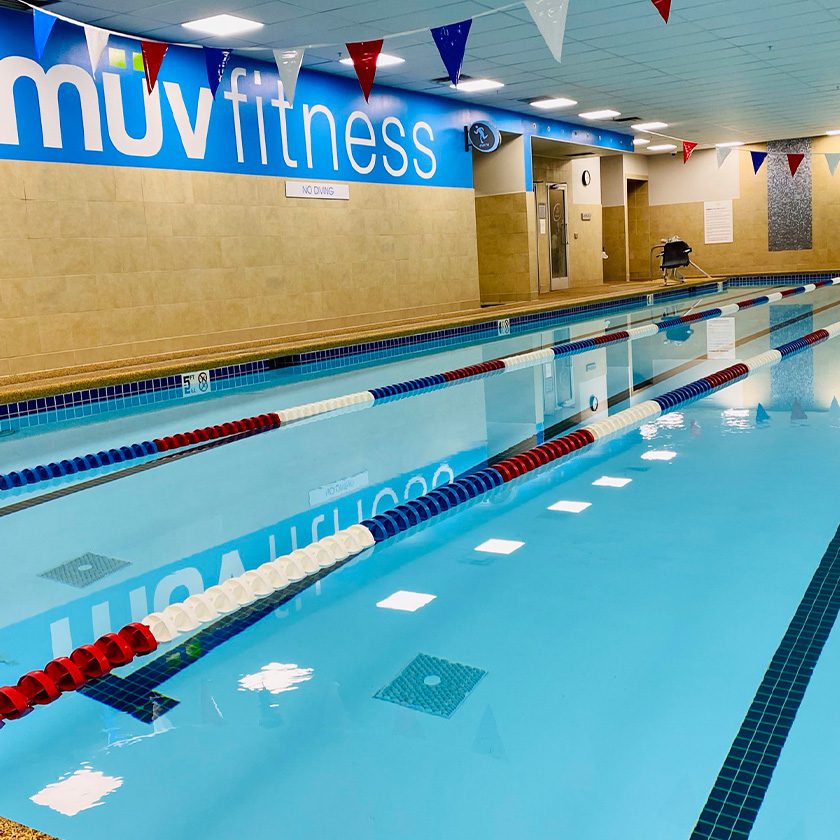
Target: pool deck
[(14, 831), (57, 381)]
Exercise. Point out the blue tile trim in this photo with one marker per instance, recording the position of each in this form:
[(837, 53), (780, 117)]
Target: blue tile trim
[(739, 791), (77, 405)]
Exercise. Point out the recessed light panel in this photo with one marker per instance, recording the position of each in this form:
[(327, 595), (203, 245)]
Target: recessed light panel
[(604, 114), (384, 60), (556, 102), (477, 85), (223, 25), (651, 126)]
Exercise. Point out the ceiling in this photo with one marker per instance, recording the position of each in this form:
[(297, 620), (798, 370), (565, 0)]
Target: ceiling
[(721, 70)]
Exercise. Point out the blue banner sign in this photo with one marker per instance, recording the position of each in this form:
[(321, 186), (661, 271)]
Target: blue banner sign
[(59, 109)]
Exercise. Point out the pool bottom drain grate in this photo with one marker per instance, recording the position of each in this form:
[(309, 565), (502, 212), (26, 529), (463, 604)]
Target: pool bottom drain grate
[(432, 685), (83, 571)]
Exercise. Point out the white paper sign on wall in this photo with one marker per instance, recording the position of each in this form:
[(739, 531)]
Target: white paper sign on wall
[(718, 222), (720, 338), (318, 189)]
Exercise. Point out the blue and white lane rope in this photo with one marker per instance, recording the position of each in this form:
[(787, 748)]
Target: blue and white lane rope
[(365, 399), (137, 639)]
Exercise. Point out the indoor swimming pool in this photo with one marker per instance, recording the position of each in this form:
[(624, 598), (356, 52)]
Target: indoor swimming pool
[(615, 645)]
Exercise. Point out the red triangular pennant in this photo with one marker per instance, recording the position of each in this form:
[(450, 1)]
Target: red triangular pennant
[(794, 161), (153, 53), (365, 54), (688, 148), (663, 7)]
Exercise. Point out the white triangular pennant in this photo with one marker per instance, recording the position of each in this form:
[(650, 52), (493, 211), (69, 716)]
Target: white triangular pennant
[(722, 155), (288, 66), (97, 40), (832, 159), (550, 17)]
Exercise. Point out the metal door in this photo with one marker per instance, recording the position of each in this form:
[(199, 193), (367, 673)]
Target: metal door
[(558, 230)]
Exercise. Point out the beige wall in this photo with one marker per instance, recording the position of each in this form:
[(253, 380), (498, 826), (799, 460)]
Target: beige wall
[(615, 244), (505, 244), (101, 263), (748, 254), (638, 229)]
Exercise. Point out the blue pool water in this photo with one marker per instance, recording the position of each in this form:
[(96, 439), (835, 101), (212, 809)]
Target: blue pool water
[(621, 645)]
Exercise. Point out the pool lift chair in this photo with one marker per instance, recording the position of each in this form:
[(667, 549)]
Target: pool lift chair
[(673, 255)]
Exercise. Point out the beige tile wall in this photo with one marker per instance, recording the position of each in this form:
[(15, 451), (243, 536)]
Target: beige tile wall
[(749, 254), (102, 263), (615, 243), (504, 229), (639, 229)]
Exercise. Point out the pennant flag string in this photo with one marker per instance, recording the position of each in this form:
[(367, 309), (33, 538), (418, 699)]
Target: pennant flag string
[(215, 60), (451, 42), (365, 54), (832, 159), (153, 53), (664, 8), (97, 40), (42, 25), (794, 161), (550, 18), (688, 149), (288, 66), (758, 159), (722, 155)]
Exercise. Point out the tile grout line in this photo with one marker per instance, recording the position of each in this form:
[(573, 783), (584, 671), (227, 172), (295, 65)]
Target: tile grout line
[(739, 790)]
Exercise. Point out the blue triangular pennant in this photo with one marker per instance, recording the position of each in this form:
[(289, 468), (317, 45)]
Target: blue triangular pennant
[(761, 415), (42, 25), (758, 159), (797, 412), (216, 61), (832, 159), (451, 41)]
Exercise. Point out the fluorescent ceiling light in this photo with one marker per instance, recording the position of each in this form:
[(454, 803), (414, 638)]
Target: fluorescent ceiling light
[(556, 102), (477, 85), (406, 601), (659, 455), (609, 481), (605, 114), (651, 126), (663, 147), (834, 132), (640, 141), (730, 145), (223, 25), (384, 60), (499, 546), (570, 507)]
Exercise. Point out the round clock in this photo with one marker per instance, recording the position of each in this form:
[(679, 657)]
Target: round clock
[(586, 178)]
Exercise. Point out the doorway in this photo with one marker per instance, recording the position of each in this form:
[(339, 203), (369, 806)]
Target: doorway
[(558, 237), (638, 229)]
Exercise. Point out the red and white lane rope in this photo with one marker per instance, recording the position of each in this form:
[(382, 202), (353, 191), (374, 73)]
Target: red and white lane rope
[(89, 662)]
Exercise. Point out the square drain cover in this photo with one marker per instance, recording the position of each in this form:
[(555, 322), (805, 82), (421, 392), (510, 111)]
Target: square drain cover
[(432, 685), (84, 570)]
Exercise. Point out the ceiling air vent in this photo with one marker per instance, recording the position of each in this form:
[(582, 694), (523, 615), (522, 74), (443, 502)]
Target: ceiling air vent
[(627, 119)]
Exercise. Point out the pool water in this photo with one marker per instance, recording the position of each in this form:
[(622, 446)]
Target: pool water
[(584, 679)]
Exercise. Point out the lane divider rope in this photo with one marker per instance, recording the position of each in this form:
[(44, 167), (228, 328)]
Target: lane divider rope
[(365, 399), (113, 650)]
